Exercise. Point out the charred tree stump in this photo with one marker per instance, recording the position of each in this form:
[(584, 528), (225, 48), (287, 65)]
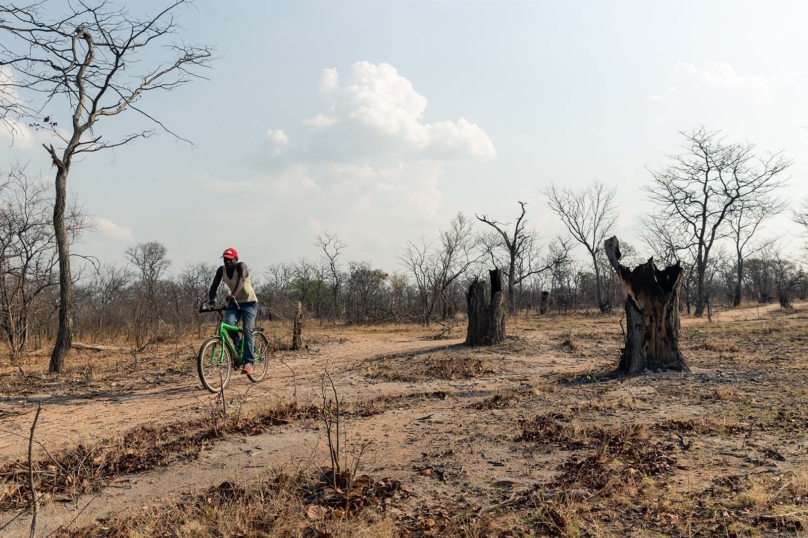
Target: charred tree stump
[(543, 303), (486, 320), (652, 314), (297, 328)]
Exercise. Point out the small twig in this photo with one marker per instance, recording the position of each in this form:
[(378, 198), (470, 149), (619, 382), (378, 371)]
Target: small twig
[(513, 500), (12, 520), (294, 379), (74, 519), (31, 470), (224, 401)]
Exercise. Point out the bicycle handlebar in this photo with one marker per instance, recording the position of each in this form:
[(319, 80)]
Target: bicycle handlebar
[(204, 308)]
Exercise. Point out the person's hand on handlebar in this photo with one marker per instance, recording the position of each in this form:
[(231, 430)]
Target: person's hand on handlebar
[(212, 303), (230, 299)]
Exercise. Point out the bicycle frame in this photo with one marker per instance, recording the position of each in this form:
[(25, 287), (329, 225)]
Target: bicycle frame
[(222, 333)]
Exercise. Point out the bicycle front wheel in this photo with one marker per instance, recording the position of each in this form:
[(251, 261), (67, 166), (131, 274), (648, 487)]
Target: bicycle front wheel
[(213, 364), (261, 353)]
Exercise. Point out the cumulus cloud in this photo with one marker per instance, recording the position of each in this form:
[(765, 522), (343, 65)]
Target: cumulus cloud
[(381, 113), (110, 230), (320, 120), (367, 158)]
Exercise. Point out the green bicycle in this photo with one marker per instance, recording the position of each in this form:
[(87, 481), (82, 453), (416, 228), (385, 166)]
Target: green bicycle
[(218, 356)]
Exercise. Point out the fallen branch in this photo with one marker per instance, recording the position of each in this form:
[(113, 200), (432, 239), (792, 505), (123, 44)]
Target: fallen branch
[(31, 470)]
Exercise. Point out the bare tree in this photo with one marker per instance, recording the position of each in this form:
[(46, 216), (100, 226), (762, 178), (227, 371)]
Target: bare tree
[(87, 59), (588, 215), (27, 252), (151, 261), (419, 263), (458, 251), (520, 248), (436, 270), (332, 246), (697, 192), (801, 214), (744, 222)]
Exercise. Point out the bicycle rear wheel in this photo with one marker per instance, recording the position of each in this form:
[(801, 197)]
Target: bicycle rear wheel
[(213, 364), (261, 352)]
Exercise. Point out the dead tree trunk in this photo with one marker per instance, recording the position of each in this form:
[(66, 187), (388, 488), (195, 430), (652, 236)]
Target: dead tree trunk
[(543, 304), (652, 314), (486, 320), (297, 328)]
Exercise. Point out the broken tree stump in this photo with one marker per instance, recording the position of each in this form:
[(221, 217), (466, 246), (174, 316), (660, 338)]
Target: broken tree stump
[(652, 314), (486, 319)]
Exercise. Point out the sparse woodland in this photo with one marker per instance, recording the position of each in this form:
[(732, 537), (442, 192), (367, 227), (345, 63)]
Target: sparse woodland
[(496, 381), (726, 261)]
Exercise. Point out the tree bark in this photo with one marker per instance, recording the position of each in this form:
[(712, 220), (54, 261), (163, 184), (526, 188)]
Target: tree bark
[(486, 320), (602, 305), (736, 299), (543, 303), (701, 290), (652, 315), (297, 328), (511, 284), (64, 336)]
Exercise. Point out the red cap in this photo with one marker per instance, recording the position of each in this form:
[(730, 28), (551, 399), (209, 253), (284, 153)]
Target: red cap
[(230, 253)]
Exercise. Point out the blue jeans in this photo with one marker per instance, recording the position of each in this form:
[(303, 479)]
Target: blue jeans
[(247, 314)]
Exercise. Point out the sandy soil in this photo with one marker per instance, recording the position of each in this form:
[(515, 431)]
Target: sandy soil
[(470, 455)]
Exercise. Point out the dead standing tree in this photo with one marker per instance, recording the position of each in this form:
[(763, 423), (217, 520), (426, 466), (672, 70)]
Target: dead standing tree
[(652, 314), (486, 319), (698, 191), (522, 253), (588, 216), (744, 221), (86, 62), (332, 246)]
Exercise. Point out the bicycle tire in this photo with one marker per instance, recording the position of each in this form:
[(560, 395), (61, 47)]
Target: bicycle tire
[(261, 352), (213, 376)]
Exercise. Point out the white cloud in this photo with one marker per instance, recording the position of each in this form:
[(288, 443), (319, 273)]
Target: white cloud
[(15, 134), (275, 141), (722, 76), (293, 179), (329, 80), (381, 113), (320, 120), (110, 230), (369, 166), (277, 137)]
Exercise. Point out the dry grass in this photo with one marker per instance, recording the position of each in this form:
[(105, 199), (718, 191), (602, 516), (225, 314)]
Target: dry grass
[(410, 369), (279, 505)]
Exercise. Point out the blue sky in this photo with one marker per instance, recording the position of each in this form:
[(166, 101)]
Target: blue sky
[(381, 120)]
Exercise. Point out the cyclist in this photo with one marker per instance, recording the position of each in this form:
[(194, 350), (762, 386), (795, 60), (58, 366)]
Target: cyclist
[(237, 277)]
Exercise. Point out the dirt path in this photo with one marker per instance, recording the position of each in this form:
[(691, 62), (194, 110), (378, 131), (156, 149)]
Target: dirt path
[(439, 447), (73, 418), (404, 440)]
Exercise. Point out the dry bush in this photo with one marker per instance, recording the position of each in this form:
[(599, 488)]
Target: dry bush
[(500, 400), (718, 345), (569, 344), (414, 369), (279, 505)]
